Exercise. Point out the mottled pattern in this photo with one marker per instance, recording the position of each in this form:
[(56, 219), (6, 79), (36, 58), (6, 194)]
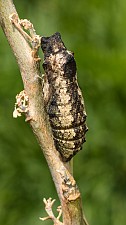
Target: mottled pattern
[(65, 105)]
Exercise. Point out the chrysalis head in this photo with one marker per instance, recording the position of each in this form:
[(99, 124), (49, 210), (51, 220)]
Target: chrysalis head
[(52, 44)]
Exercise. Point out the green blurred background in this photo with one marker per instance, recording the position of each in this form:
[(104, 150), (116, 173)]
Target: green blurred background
[(96, 31)]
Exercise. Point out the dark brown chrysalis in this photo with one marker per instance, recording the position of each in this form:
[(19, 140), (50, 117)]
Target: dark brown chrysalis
[(65, 105)]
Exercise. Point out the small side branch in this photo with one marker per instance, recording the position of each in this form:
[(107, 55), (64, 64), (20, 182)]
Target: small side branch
[(24, 25), (48, 207)]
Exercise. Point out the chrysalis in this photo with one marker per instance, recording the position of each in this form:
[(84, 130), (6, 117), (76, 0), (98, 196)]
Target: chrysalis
[(65, 105)]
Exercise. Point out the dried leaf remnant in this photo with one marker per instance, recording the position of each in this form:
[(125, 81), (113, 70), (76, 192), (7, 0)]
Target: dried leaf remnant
[(21, 105)]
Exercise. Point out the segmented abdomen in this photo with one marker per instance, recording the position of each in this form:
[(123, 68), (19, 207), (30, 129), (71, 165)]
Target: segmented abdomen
[(65, 106)]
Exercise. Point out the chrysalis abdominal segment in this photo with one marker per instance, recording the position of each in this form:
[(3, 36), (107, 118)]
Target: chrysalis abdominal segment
[(65, 105)]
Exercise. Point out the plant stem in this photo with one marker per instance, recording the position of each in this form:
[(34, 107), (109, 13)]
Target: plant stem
[(70, 198)]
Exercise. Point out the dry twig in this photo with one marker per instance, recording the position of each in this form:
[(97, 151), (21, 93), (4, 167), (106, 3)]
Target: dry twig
[(48, 207)]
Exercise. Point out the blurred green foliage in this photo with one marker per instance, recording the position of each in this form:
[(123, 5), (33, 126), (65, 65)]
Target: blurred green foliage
[(95, 31)]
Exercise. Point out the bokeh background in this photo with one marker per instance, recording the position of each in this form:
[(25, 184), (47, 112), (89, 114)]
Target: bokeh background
[(95, 31)]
